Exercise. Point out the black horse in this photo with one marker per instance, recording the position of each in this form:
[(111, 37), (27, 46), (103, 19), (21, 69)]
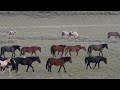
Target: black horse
[(9, 49), (23, 61), (97, 48), (96, 60)]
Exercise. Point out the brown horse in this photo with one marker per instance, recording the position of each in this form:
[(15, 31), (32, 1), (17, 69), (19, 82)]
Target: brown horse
[(57, 62), (75, 48), (59, 48), (116, 34), (31, 50)]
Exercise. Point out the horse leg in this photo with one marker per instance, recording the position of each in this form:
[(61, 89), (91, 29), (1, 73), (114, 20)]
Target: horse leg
[(98, 65), (89, 65), (50, 68), (31, 53), (62, 54), (64, 68), (32, 68), (77, 53), (59, 69), (66, 53), (35, 54), (70, 53), (27, 68), (95, 65)]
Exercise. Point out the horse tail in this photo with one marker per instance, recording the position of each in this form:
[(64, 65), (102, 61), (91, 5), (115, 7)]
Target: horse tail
[(89, 49), (52, 50), (47, 63)]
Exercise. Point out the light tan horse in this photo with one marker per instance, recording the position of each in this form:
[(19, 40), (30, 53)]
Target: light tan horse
[(4, 64)]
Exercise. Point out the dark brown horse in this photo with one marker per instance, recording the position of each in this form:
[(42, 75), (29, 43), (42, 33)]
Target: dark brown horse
[(99, 47), (59, 48), (31, 50), (75, 48), (116, 34), (57, 62)]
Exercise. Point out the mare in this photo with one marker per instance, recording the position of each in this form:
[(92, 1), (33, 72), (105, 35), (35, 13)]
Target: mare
[(9, 49), (75, 48), (99, 48), (31, 50), (24, 61), (115, 34), (59, 48), (57, 62), (96, 60)]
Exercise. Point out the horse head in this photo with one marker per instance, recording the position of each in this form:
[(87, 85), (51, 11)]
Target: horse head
[(38, 59), (105, 45), (83, 47), (104, 60)]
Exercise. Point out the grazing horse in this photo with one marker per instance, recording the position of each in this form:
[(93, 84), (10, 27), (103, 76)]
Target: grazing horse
[(31, 50), (24, 61), (94, 59), (4, 64), (12, 32), (75, 34), (75, 48), (116, 34), (59, 48), (57, 62), (99, 47), (71, 33), (9, 49)]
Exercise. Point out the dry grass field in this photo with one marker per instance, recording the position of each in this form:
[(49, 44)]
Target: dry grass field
[(45, 32)]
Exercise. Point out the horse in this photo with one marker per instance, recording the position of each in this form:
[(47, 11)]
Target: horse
[(116, 34), (12, 32), (59, 48), (99, 48), (57, 62), (94, 59), (75, 48), (24, 61), (75, 34), (65, 33), (12, 49), (31, 50), (4, 64), (69, 34)]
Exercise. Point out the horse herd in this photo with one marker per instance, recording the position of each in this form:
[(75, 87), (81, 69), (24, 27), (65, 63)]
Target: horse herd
[(14, 61)]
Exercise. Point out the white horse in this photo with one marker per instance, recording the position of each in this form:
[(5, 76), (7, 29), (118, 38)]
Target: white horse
[(75, 34), (12, 32), (65, 33), (4, 64), (71, 33)]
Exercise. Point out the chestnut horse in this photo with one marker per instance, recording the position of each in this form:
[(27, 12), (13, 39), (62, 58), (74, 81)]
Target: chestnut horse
[(59, 48), (31, 50), (116, 34), (75, 48), (57, 62)]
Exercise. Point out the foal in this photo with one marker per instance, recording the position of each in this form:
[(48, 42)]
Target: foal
[(4, 64)]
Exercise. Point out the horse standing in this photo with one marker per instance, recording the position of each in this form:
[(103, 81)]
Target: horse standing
[(75, 48), (9, 49), (94, 59), (24, 61), (115, 34), (31, 50), (99, 48), (57, 62), (59, 48)]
